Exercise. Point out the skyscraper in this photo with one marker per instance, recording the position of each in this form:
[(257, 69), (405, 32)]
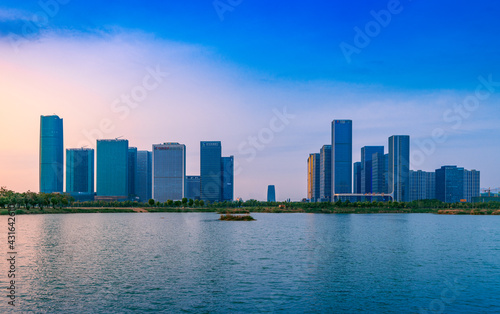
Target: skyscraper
[(367, 167), (399, 167), (80, 173), (169, 171), (380, 164), (193, 187), (144, 176), (422, 185), (313, 177), (271, 193), (112, 169), (341, 156), (227, 168), (132, 171), (51, 154), (210, 171), (357, 177), (325, 176), (450, 184), (472, 184)]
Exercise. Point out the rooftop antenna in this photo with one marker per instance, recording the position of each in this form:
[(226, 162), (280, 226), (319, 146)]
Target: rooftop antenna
[(119, 137)]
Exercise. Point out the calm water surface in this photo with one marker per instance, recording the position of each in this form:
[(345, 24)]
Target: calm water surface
[(289, 263)]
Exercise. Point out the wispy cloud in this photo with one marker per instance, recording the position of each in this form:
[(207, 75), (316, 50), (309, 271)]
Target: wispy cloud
[(10, 15)]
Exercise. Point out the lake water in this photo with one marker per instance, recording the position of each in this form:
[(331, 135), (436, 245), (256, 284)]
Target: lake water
[(289, 263)]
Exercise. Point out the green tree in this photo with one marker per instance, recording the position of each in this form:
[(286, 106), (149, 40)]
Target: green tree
[(197, 203), (190, 203), (151, 202), (170, 202), (202, 203), (184, 201)]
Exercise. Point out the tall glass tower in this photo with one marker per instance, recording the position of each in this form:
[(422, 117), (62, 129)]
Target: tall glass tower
[(210, 171), (51, 154), (325, 176), (112, 169), (341, 156), (132, 171), (367, 167), (80, 171), (271, 193), (169, 171), (227, 167), (399, 167), (144, 176)]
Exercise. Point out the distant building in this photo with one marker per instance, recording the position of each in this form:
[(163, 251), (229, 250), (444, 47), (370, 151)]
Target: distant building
[(210, 171), (367, 167), (357, 177), (341, 156), (112, 169), (80, 173), (193, 187), (144, 176), (422, 185), (325, 175), (380, 166), (450, 184), (132, 171), (51, 154), (169, 171), (313, 177), (399, 167), (271, 193), (472, 184), (227, 169)]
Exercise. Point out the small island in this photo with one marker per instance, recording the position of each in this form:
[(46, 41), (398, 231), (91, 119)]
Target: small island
[(232, 217)]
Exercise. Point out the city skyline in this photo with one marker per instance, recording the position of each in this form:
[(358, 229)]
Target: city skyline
[(424, 84)]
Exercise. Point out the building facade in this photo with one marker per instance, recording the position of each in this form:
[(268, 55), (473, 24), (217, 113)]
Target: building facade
[(112, 169), (422, 185), (357, 177), (51, 167), (227, 168), (313, 177), (450, 184), (472, 184), (367, 167), (144, 176), (80, 173), (132, 171), (271, 193), (325, 176), (210, 171), (399, 167), (169, 171), (380, 166), (341, 156), (193, 187)]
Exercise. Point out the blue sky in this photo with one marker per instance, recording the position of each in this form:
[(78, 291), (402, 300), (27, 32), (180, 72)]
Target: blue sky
[(265, 55)]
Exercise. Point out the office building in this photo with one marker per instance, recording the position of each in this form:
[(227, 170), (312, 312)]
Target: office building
[(51, 168), (472, 184), (422, 185), (357, 177), (341, 156), (132, 171), (169, 171), (313, 177), (399, 167), (380, 165), (80, 172), (210, 171), (367, 168), (193, 187), (271, 193), (450, 184), (325, 176), (144, 176), (112, 169), (227, 169)]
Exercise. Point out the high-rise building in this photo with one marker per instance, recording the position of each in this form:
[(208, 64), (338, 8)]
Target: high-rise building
[(325, 176), (144, 176), (112, 169), (380, 165), (132, 171), (399, 167), (80, 173), (357, 177), (193, 187), (271, 193), (227, 168), (313, 177), (472, 184), (450, 184), (341, 156), (169, 171), (422, 185), (210, 171), (51, 154), (367, 167)]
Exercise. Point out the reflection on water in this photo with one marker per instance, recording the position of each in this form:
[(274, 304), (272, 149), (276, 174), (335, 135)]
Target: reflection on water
[(192, 262)]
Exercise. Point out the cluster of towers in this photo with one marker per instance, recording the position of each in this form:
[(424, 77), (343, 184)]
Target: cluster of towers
[(125, 173), (379, 176)]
